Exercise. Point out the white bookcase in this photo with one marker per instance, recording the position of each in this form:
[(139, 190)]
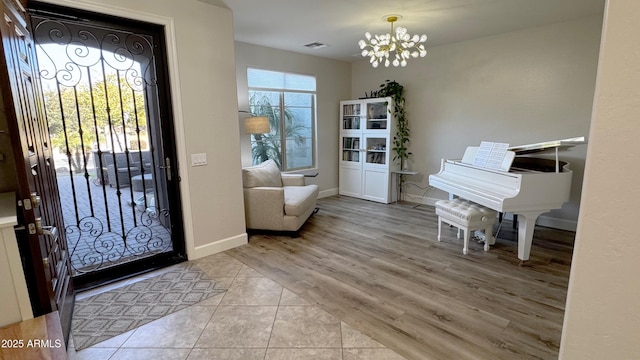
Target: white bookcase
[(367, 128)]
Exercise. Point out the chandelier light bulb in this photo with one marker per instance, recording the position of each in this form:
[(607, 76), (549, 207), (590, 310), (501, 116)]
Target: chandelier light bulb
[(398, 43)]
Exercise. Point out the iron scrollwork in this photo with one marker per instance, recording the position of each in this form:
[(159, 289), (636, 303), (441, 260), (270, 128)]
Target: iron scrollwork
[(97, 83)]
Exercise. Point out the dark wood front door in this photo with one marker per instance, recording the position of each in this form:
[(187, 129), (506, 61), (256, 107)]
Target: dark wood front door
[(40, 234)]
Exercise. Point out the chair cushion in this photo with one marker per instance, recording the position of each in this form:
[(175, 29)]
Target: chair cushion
[(265, 174), (298, 199)]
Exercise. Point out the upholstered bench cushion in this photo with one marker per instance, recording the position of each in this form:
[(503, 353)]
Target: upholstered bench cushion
[(298, 199), (465, 211), (466, 216)]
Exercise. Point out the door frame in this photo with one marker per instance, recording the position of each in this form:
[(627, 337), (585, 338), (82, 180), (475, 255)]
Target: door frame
[(176, 100), (165, 125)]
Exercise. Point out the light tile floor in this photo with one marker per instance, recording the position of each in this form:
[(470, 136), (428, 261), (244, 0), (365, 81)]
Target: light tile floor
[(255, 319)]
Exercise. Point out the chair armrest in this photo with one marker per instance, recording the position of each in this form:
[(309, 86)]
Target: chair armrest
[(264, 206), (292, 179)]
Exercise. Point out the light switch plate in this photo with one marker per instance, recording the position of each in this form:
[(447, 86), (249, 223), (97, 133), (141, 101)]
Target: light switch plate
[(199, 159)]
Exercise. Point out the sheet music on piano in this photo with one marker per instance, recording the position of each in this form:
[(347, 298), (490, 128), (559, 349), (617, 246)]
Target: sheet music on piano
[(490, 155)]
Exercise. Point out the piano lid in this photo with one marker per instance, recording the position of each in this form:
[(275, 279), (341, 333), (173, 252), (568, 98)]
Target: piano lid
[(548, 145)]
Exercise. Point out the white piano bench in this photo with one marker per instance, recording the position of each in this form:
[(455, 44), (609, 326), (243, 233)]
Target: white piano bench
[(466, 216)]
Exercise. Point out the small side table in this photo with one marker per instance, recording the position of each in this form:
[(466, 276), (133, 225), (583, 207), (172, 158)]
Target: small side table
[(399, 174), (309, 173)]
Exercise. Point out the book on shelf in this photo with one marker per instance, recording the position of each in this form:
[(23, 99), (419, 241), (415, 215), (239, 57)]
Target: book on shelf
[(350, 123), (351, 109), (349, 155)]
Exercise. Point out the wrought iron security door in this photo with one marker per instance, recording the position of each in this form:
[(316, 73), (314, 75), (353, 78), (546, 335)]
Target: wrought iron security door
[(108, 109)]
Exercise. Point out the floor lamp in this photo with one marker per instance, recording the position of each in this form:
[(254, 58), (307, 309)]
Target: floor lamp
[(258, 125)]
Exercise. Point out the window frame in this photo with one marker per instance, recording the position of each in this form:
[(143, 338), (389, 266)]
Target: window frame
[(282, 118)]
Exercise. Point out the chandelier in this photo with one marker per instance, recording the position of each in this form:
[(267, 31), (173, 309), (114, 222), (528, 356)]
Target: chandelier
[(399, 44)]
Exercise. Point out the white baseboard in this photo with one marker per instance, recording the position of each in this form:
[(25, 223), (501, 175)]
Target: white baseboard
[(327, 193), (543, 220), (556, 223), (218, 246), (420, 199)]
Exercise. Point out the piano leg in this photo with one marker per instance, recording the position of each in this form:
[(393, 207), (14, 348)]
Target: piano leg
[(526, 225)]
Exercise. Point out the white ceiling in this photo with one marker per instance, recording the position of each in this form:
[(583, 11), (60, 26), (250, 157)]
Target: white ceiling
[(290, 24)]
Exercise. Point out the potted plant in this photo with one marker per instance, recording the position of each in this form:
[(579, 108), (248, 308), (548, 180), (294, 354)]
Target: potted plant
[(394, 90)]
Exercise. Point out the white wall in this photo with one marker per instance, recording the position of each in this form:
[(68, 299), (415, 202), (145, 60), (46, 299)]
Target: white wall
[(333, 84), (602, 320), (519, 87), (203, 85)]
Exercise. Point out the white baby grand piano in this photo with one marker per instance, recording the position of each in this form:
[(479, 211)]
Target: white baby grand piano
[(504, 182)]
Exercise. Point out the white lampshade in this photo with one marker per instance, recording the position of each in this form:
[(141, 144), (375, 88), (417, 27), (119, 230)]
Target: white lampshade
[(257, 125)]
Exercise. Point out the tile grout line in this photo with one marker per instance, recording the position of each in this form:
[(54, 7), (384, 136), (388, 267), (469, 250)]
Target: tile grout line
[(205, 326), (273, 324), (216, 309)]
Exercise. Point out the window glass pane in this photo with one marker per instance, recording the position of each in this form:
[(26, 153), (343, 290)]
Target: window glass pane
[(291, 142), (266, 146), (278, 80), (298, 99), (265, 79), (260, 97), (266, 103), (299, 82), (299, 155), (299, 138)]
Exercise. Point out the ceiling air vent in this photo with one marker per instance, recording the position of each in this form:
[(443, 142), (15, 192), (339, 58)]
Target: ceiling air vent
[(316, 45)]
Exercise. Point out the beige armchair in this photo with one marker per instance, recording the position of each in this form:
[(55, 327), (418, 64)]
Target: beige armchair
[(276, 201)]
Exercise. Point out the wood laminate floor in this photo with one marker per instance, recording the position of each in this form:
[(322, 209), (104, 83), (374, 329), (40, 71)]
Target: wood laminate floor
[(380, 269)]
